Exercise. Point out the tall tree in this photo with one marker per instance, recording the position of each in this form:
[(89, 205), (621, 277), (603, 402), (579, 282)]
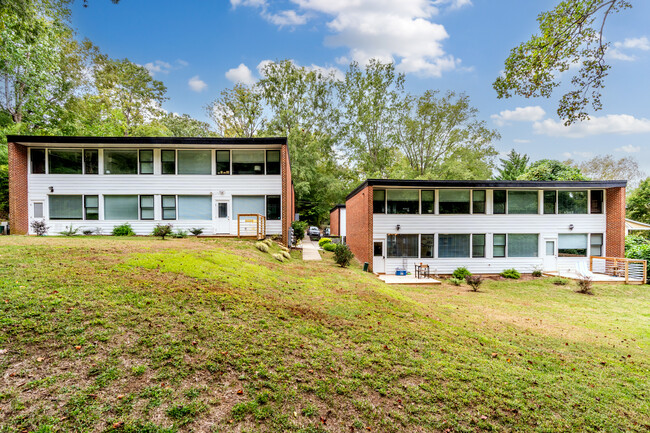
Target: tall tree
[(370, 100), (186, 126), (512, 166), (638, 203), (606, 167), (551, 169), (238, 112), (570, 34), (439, 134)]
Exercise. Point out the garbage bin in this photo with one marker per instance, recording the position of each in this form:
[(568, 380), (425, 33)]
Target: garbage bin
[(365, 266)]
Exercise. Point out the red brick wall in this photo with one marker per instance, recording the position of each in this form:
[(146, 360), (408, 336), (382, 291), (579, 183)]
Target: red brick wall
[(615, 213), (288, 195), (18, 203), (359, 225), (335, 216)]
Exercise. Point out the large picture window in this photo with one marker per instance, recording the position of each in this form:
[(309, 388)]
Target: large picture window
[(65, 161), (428, 201), (168, 160), (194, 162), (499, 201), (550, 199), (572, 245), (91, 161), (91, 207), (453, 201), (572, 202), (478, 246), (379, 201), (121, 207), (426, 246), (273, 207), (272, 162), (146, 161), (402, 246), (194, 207), (453, 246), (403, 201), (66, 207), (523, 202), (223, 162), (478, 201), (247, 204), (38, 161), (118, 161), (248, 162), (523, 245)]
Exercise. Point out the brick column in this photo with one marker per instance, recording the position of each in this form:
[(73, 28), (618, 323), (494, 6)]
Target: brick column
[(359, 228), (615, 214), (18, 203), (288, 206)]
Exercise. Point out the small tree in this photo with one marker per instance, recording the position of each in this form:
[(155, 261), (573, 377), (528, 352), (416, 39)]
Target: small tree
[(342, 255), (585, 285), (162, 230), (299, 228), (70, 231), (39, 227), (474, 281)]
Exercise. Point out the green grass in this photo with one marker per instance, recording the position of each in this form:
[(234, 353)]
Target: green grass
[(211, 335)]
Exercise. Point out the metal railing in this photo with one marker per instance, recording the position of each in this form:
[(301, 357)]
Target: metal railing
[(634, 271)]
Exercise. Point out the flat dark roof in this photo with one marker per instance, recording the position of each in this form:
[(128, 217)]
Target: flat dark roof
[(337, 206), (492, 184), (29, 139)]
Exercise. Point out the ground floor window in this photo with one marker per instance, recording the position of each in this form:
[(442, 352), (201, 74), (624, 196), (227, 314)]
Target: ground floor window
[(194, 207), (572, 245), (499, 245), (91, 207), (168, 207), (426, 246), (523, 245), (66, 207), (596, 245), (146, 207), (273, 207), (451, 246), (478, 246), (247, 204), (402, 246), (121, 207)]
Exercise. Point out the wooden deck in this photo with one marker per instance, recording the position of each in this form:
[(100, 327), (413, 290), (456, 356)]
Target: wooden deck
[(597, 278)]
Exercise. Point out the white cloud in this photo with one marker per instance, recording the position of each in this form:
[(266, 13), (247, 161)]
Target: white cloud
[(325, 70), (162, 67), (197, 84), (521, 140), (641, 43), (391, 31), (241, 74), (629, 148), (620, 124), (519, 114)]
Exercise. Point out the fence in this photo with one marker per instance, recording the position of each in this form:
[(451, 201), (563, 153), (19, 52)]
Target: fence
[(251, 225), (634, 271)]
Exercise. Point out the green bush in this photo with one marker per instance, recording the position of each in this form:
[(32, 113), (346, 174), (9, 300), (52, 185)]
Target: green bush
[(511, 273), (179, 234), (162, 230), (328, 246), (123, 230), (70, 231), (637, 247), (342, 255), (559, 281), (278, 257), (537, 272), (324, 241), (455, 281), (299, 228), (196, 231), (461, 273), (262, 247)]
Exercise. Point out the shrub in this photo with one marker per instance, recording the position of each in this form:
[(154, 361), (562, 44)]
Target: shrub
[(278, 257), (585, 285), (180, 234), (511, 273), (283, 248), (299, 228), (474, 281), (637, 247), (88, 232), (196, 231), (162, 230), (268, 242), (455, 281), (123, 230), (342, 255), (559, 281), (329, 247), (262, 247), (461, 273), (286, 255), (537, 271), (324, 241), (39, 227), (70, 231)]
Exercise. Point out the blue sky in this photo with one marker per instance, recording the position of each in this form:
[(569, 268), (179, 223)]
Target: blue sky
[(198, 48)]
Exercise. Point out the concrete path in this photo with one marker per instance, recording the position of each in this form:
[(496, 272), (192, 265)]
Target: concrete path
[(310, 250), (406, 279)]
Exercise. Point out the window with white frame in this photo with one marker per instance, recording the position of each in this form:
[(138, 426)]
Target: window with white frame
[(120, 161), (194, 207), (596, 245), (65, 207), (403, 201), (453, 201), (523, 202), (65, 161)]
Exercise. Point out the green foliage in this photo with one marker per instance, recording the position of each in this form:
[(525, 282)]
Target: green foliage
[(329, 246), (39, 227), (324, 241), (70, 231), (461, 273), (278, 257), (123, 230), (511, 273), (196, 231), (513, 166), (637, 247), (569, 34), (474, 281), (585, 286), (262, 247), (537, 272), (551, 169), (342, 255), (455, 281), (559, 281), (638, 203), (162, 230), (299, 229), (179, 234), (238, 112)]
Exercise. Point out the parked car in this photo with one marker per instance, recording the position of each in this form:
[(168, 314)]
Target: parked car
[(326, 232), (314, 233)]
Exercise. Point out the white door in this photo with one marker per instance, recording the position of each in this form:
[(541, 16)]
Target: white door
[(379, 256), (550, 255), (222, 220)]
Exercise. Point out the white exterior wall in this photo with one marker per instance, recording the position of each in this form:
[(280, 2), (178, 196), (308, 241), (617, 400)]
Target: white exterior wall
[(342, 231), (546, 226), (220, 187)]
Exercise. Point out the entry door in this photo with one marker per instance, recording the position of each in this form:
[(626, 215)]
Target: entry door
[(379, 256), (550, 255), (222, 222)]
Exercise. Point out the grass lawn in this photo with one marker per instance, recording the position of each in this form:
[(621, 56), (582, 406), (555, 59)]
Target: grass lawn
[(142, 335)]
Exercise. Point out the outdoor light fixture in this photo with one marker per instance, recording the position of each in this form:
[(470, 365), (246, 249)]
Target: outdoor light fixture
[(570, 226), (51, 189), (397, 227)]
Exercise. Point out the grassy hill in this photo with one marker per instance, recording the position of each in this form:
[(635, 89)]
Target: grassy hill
[(142, 335)]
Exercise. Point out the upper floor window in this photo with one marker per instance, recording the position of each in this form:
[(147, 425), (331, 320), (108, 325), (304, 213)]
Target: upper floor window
[(146, 161), (272, 162), (572, 202), (478, 201), (597, 201), (38, 161), (120, 161), (550, 202), (194, 162), (65, 161), (223, 162), (499, 199), (453, 201), (403, 201), (523, 202), (168, 160), (248, 162), (428, 201), (379, 201), (91, 161)]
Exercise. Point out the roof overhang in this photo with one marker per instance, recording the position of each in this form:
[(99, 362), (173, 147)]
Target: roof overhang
[(59, 141)]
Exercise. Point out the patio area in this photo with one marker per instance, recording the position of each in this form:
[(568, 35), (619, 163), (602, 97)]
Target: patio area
[(597, 278), (406, 279)]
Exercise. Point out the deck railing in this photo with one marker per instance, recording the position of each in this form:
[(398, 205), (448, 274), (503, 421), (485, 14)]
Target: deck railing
[(251, 225), (634, 271)]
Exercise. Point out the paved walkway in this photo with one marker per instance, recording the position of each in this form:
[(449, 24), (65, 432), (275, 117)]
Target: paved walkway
[(310, 250), (406, 279)]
